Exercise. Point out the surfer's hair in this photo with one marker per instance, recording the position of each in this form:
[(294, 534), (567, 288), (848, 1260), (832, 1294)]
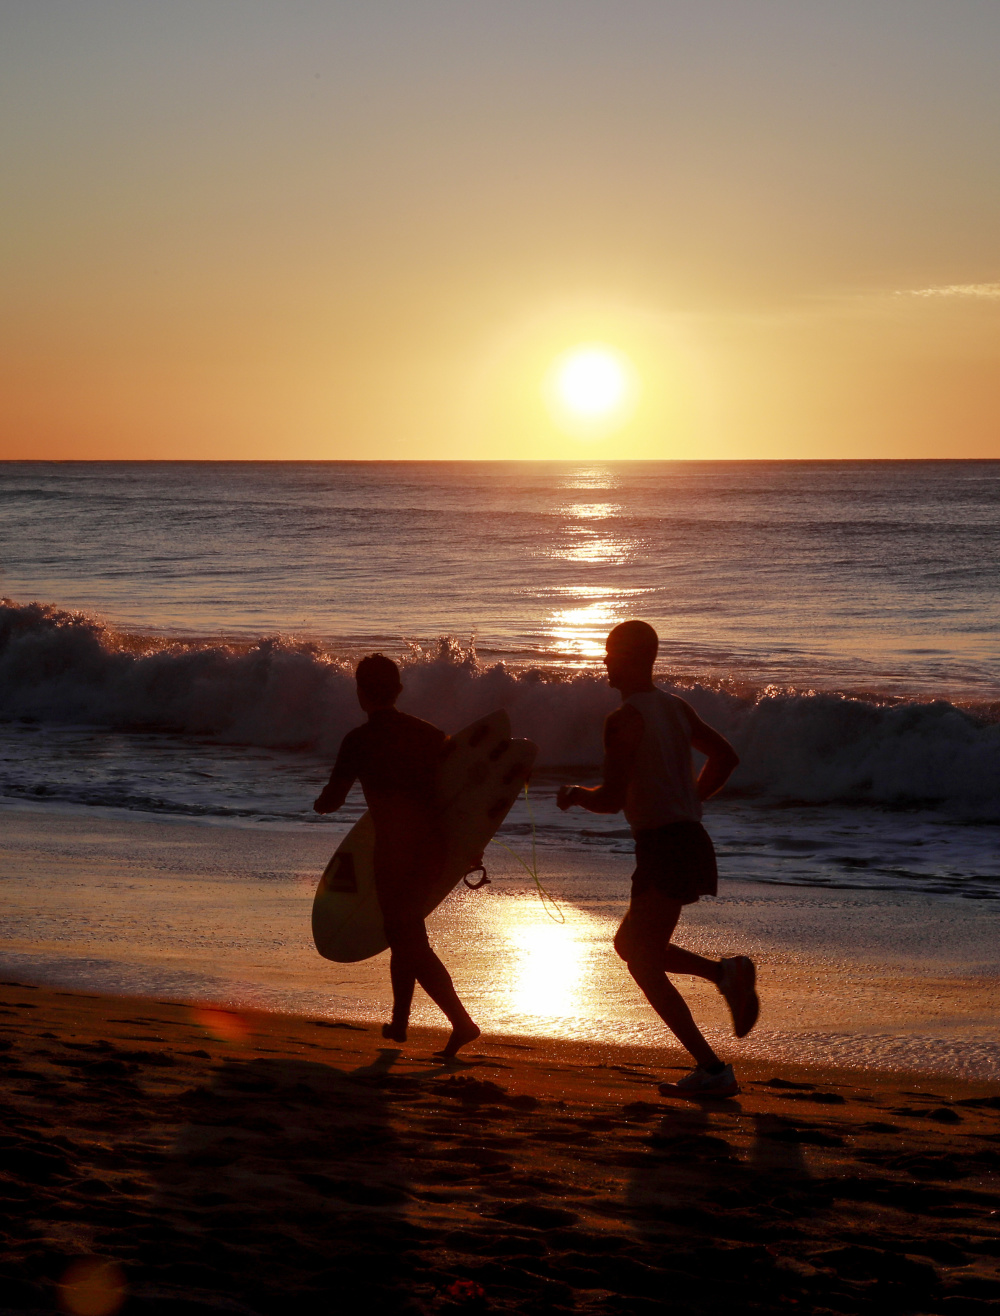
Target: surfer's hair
[(637, 638), (378, 678)]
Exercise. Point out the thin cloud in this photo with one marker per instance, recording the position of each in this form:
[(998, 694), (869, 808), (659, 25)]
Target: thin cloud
[(955, 290)]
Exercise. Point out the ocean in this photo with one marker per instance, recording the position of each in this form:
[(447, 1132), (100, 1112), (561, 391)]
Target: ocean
[(177, 640)]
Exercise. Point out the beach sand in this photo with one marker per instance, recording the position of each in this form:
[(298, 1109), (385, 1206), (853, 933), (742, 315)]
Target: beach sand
[(161, 1157)]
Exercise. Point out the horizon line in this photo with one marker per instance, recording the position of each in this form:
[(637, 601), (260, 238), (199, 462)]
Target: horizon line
[(485, 461)]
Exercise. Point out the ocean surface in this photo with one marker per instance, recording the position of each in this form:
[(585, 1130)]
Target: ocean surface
[(177, 639)]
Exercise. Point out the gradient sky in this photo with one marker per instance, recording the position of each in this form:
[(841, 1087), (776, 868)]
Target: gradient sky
[(320, 229)]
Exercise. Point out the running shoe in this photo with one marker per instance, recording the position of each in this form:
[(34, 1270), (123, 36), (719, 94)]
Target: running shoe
[(738, 987), (700, 1083)]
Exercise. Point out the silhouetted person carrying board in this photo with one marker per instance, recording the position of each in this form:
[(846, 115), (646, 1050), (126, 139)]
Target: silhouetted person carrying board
[(648, 772), (396, 758)]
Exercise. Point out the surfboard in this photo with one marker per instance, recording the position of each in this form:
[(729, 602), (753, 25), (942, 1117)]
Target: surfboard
[(481, 775)]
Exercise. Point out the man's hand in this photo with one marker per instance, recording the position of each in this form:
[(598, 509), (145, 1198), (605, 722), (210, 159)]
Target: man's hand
[(566, 797), (332, 796)]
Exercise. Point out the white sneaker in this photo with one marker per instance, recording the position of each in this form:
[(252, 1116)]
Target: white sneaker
[(738, 985), (700, 1083)]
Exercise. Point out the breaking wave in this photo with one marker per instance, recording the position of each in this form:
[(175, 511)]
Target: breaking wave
[(61, 667)]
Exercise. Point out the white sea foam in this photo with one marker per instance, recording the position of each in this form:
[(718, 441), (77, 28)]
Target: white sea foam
[(63, 668)]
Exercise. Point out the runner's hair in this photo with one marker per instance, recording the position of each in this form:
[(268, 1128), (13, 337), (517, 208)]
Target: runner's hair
[(378, 678)]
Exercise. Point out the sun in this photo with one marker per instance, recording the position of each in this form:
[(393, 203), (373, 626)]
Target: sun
[(590, 390), (591, 382)]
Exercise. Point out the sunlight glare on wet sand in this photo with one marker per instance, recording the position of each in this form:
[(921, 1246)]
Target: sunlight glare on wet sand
[(550, 971)]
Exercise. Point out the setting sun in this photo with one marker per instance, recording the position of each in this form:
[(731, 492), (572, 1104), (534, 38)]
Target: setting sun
[(590, 389), (591, 382)]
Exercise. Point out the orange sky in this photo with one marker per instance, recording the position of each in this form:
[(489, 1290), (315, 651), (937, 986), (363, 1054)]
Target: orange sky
[(245, 229)]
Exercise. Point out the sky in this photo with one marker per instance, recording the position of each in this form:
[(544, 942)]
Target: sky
[(327, 229)]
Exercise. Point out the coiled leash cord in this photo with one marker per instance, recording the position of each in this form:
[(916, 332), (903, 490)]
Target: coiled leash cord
[(546, 897)]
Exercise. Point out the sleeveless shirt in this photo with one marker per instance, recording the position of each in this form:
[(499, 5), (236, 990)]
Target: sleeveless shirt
[(662, 787)]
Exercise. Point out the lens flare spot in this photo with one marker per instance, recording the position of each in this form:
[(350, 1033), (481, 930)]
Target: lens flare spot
[(223, 1025), (92, 1286)]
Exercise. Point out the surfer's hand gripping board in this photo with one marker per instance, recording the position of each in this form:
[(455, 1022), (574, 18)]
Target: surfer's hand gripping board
[(481, 775)]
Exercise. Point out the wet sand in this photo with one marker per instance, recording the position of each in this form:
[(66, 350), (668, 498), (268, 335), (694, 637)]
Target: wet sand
[(118, 903), (180, 1158)]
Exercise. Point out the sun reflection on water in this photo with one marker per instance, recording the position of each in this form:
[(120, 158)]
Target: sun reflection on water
[(582, 631), (590, 542), (604, 550), (578, 630), (592, 536), (591, 477), (592, 511)]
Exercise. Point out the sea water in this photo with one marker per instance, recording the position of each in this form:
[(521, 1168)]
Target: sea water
[(176, 654), (178, 639)]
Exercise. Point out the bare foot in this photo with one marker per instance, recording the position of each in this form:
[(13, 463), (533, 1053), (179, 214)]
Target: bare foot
[(394, 1032), (460, 1035)]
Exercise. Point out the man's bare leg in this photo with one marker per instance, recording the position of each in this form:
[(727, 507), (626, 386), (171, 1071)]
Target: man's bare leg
[(643, 942), (435, 979), (461, 1034), (403, 981), (412, 953), (670, 1005), (678, 960)]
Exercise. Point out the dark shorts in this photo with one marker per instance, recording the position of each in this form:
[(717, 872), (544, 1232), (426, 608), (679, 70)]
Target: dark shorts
[(678, 860), (405, 869), (406, 934)]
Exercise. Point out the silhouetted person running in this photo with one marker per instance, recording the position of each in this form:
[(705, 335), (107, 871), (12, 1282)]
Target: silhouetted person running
[(648, 772), (396, 758)]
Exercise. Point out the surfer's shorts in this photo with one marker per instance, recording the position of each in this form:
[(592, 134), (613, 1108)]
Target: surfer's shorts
[(406, 932), (403, 873), (677, 860)]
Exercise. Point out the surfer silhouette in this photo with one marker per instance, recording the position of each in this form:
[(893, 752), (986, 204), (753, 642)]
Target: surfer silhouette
[(648, 772), (396, 759)]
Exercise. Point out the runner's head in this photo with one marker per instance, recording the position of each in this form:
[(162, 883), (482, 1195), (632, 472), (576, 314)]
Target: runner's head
[(631, 653), (378, 682)]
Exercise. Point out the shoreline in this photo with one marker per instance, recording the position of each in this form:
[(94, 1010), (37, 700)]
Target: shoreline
[(202, 1160), (141, 907)]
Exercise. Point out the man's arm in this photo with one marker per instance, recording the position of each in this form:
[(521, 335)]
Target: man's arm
[(342, 778), (622, 735), (333, 794), (721, 759)]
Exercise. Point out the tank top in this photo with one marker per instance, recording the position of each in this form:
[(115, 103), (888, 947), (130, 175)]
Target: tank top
[(662, 787)]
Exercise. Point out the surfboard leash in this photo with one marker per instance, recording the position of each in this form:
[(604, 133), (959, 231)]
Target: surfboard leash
[(483, 881), (546, 897)]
